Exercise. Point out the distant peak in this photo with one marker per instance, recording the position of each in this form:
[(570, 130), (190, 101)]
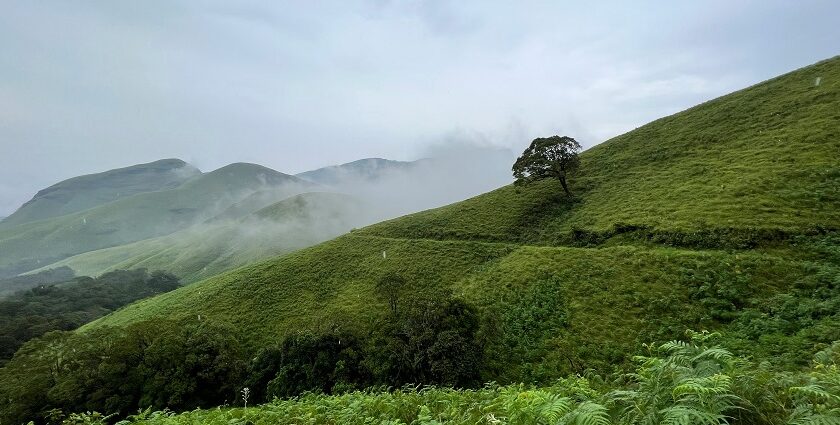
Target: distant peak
[(244, 167)]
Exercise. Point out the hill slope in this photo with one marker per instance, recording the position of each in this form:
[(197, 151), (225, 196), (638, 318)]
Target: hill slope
[(88, 191), (142, 216), (756, 168), (207, 249)]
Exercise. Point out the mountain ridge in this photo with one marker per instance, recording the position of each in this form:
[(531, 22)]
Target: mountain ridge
[(90, 190), (137, 217)]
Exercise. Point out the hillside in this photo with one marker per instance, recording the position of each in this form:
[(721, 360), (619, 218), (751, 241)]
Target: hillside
[(88, 191), (138, 217), (657, 239), (363, 169), (207, 249)]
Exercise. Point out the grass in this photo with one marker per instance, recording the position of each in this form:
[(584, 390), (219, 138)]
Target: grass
[(761, 158)]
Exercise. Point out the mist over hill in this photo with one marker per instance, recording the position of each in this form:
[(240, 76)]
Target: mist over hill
[(211, 222), (397, 187)]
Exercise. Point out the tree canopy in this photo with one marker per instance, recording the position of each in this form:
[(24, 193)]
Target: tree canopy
[(549, 157)]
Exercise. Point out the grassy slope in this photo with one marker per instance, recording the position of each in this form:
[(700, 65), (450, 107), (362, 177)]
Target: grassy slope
[(208, 249), (762, 158), (138, 217), (84, 192)]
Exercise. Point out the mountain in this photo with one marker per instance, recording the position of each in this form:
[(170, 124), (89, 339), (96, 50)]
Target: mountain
[(207, 249), (723, 217), (363, 169), (88, 191), (137, 217)]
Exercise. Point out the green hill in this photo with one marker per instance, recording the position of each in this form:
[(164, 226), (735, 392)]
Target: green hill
[(207, 249), (138, 217), (88, 191), (709, 218)]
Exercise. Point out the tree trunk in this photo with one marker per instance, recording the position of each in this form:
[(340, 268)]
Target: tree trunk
[(565, 187)]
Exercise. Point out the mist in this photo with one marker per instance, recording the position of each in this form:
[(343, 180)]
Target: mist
[(269, 219), (450, 172)]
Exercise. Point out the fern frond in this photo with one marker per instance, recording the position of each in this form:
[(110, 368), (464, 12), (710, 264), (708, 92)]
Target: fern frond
[(830, 418), (715, 384), (685, 415), (815, 391), (588, 413), (554, 408), (716, 353)]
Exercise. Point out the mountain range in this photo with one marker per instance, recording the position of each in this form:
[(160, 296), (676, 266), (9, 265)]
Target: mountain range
[(169, 215)]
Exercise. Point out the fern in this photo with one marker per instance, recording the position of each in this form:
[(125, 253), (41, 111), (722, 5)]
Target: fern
[(587, 413), (687, 415), (555, 408)]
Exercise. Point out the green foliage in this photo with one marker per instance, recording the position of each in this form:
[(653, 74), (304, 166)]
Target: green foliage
[(432, 341), (550, 157), (305, 362), (155, 364), (680, 382), (29, 314)]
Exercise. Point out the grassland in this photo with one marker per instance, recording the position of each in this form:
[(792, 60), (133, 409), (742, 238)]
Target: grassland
[(701, 219), (764, 158)]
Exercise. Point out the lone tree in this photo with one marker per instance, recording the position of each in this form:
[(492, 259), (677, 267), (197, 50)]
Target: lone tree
[(549, 157)]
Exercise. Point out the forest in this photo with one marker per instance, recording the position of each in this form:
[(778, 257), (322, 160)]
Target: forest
[(64, 306)]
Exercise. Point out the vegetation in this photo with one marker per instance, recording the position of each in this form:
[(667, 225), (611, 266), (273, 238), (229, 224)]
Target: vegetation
[(722, 217), (66, 306), (679, 382), (166, 364), (550, 157)]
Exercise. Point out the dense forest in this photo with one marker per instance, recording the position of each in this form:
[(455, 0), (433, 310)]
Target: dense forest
[(67, 305)]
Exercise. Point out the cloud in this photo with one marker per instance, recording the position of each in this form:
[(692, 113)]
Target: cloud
[(295, 86)]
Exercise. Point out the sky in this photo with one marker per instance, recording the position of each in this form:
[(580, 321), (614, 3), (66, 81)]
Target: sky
[(87, 86)]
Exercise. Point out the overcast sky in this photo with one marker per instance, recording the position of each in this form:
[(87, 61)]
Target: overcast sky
[(92, 85)]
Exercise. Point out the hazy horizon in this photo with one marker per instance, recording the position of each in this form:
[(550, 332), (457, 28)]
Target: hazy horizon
[(93, 86)]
